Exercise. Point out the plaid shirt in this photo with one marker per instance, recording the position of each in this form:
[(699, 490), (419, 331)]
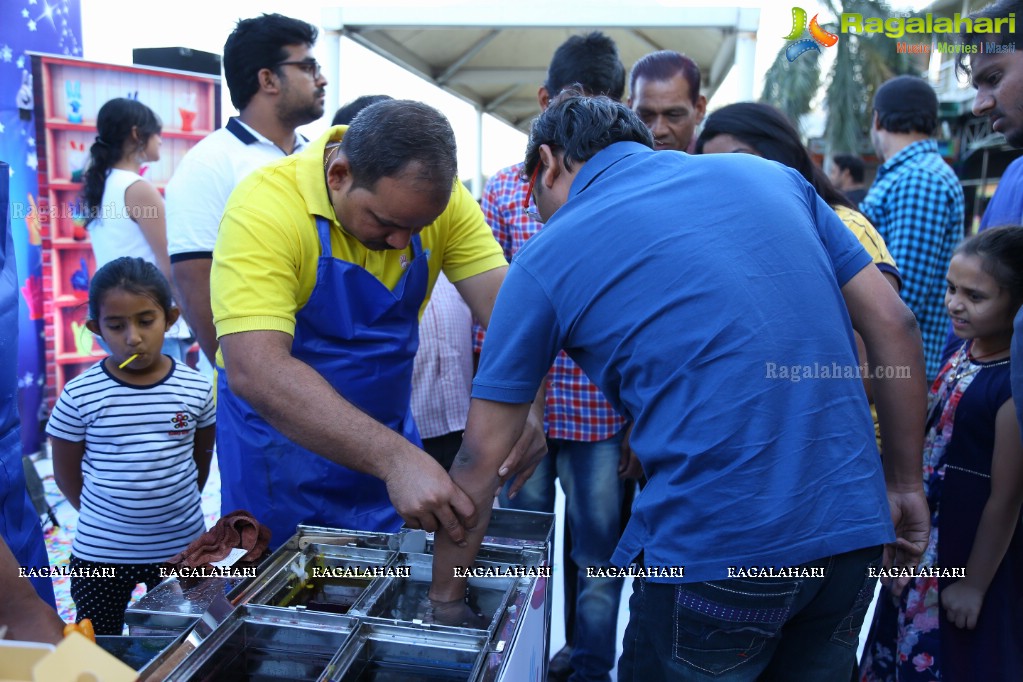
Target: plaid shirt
[(916, 203), (575, 409)]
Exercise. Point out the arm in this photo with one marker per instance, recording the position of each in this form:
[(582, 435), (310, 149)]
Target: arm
[(480, 292), (963, 599), (192, 279), (491, 431), (196, 196), (147, 210), (861, 350), (27, 617), (298, 402), (892, 339), (202, 452), (67, 468)]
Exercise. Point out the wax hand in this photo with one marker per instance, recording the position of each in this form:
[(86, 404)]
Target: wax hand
[(455, 613), (962, 603), (912, 520), (527, 452), (426, 497)]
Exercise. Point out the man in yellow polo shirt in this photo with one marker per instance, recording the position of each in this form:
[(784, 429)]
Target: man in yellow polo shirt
[(323, 263)]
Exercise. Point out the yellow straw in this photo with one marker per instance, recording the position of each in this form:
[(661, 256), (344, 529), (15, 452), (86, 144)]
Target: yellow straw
[(127, 362)]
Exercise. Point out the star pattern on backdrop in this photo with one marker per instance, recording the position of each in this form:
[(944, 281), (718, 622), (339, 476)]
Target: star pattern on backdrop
[(51, 14)]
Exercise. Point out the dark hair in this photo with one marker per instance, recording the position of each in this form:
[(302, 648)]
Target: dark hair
[(134, 275), (906, 104), (588, 62), (1006, 34), (908, 121), (387, 136), (581, 126), (348, 112), (257, 44), (114, 124), (851, 163), (1001, 252), (662, 66), (767, 130)]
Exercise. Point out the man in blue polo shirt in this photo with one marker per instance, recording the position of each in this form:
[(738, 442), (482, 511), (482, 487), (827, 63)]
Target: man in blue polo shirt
[(724, 331)]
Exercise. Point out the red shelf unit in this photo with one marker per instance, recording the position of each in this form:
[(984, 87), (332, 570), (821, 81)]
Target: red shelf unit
[(68, 95)]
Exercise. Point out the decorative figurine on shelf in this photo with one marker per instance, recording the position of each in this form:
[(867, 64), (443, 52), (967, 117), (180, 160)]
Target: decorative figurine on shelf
[(78, 220), (73, 89), (188, 110), (80, 279), (76, 159), (24, 99), (85, 342)]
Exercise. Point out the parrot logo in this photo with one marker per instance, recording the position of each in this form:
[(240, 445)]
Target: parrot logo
[(818, 36)]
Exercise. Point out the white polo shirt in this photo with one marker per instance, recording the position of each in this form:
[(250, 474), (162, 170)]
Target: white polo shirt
[(202, 182)]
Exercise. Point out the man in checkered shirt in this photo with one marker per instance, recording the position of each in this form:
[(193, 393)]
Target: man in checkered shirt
[(916, 203), (584, 433)]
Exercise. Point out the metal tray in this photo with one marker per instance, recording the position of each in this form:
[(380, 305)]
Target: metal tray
[(379, 652), (267, 643)]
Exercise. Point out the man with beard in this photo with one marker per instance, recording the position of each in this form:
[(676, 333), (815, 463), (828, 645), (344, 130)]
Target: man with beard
[(277, 86), (998, 76)]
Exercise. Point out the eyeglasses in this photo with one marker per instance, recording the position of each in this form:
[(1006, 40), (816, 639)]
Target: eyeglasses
[(310, 66), (528, 206)]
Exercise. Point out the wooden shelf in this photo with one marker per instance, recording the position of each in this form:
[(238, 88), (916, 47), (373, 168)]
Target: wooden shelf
[(94, 82), (64, 184), (174, 133), (70, 300), (65, 244)]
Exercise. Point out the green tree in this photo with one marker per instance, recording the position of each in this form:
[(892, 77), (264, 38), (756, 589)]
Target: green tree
[(861, 63)]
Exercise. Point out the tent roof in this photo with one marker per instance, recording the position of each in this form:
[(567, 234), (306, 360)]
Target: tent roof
[(495, 56)]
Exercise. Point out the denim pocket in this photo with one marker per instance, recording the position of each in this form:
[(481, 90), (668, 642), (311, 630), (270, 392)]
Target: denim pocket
[(848, 631), (725, 624)]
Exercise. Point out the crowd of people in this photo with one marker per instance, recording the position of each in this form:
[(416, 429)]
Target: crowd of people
[(636, 282)]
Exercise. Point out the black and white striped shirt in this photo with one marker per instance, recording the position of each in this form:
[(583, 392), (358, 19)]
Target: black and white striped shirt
[(140, 502)]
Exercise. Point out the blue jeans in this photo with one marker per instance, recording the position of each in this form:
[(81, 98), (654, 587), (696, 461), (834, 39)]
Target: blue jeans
[(593, 501), (786, 629)]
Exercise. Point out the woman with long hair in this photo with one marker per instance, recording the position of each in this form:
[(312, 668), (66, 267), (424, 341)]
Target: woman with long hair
[(125, 213)]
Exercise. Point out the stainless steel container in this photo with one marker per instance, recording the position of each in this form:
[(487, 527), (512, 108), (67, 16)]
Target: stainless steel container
[(382, 651), (286, 622), (267, 643), (174, 606)]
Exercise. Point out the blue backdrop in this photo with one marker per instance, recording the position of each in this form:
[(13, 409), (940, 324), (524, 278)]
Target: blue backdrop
[(53, 26)]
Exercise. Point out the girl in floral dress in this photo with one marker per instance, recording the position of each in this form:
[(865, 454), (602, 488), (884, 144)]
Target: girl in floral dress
[(961, 617)]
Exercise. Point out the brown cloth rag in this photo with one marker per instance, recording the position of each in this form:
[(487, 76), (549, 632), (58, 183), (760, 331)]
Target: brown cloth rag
[(239, 529)]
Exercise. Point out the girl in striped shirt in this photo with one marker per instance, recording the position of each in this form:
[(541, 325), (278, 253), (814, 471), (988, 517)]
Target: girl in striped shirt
[(132, 439)]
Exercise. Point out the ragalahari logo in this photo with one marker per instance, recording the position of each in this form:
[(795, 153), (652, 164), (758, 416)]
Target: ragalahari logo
[(818, 36)]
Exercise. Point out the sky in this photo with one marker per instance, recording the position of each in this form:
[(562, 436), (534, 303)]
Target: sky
[(112, 28)]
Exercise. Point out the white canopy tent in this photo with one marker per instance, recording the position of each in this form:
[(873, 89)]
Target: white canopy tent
[(495, 55)]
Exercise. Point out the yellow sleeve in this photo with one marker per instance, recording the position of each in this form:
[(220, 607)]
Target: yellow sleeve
[(469, 247), (867, 235), (261, 275)]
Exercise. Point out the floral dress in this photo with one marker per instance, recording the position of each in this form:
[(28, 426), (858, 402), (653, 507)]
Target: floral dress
[(910, 638)]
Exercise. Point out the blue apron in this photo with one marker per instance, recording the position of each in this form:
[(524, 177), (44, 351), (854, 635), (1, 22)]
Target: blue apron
[(362, 338), (19, 523)]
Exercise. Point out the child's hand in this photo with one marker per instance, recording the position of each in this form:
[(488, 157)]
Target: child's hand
[(962, 602)]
